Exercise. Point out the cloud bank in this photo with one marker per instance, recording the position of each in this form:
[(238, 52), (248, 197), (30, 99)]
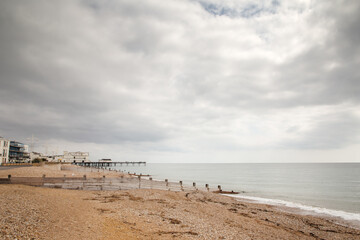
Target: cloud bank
[(182, 80)]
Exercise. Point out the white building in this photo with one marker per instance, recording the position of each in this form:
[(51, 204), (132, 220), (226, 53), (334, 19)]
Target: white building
[(4, 150), (34, 155), (76, 156), (55, 158)]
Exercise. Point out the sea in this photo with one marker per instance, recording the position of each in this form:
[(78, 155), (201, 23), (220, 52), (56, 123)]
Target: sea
[(322, 188)]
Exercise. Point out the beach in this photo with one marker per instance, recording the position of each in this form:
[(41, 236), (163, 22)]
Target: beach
[(45, 213)]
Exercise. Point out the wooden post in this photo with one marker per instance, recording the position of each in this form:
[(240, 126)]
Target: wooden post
[(181, 186), (43, 179), (167, 183), (9, 177), (139, 181), (207, 186), (219, 187)]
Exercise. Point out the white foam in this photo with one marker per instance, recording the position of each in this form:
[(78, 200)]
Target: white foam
[(318, 210)]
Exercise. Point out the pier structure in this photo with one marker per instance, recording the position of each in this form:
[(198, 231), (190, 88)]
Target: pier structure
[(106, 164)]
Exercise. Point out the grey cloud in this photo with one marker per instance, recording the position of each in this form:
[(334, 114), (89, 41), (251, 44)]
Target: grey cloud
[(312, 73), (325, 73), (330, 132), (47, 72)]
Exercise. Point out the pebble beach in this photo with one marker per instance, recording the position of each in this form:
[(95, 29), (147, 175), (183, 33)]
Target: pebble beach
[(44, 213)]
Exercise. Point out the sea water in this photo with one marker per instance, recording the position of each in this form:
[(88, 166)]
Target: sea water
[(329, 188)]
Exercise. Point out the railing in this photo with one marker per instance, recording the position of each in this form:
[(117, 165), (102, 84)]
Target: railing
[(16, 145)]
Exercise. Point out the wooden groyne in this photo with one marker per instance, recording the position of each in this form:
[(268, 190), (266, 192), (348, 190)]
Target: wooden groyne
[(104, 183)]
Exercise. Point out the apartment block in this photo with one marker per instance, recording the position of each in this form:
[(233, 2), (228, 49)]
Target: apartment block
[(18, 152)]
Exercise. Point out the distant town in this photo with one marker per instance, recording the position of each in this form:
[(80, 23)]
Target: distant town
[(16, 152)]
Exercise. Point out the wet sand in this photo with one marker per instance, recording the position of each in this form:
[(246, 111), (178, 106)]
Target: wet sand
[(42, 213)]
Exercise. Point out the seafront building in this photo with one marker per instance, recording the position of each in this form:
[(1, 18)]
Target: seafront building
[(18, 152), (34, 155), (4, 150), (55, 158), (75, 156)]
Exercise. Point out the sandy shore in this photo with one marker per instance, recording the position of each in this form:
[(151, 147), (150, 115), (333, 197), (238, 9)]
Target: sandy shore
[(41, 213)]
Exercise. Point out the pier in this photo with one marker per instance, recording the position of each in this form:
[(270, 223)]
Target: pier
[(107, 164)]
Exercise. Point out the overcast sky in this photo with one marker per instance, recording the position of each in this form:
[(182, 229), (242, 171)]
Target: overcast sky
[(183, 80)]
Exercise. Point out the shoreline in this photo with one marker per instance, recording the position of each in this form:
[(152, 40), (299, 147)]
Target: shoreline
[(344, 218), (347, 218), (147, 214)]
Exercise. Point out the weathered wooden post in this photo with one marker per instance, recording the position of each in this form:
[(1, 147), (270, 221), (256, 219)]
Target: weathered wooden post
[(151, 184), (219, 187), (43, 179), (167, 183), (9, 177), (181, 185), (207, 186)]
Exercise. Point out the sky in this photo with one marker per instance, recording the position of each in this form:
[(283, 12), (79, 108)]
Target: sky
[(183, 80)]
